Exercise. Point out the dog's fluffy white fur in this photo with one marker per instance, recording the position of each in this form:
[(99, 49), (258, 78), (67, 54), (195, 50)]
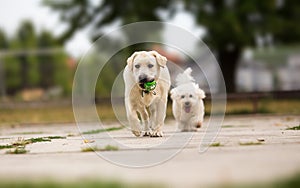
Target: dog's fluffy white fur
[(144, 107), (187, 107)]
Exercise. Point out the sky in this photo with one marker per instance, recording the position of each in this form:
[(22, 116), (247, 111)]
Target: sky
[(13, 12)]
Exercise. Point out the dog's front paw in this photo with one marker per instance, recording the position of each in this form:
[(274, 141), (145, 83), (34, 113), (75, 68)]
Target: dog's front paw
[(147, 133), (157, 134), (137, 133)]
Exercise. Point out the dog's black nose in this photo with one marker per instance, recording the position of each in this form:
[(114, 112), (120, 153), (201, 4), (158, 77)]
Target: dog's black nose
[(187, 103), (143, 78)]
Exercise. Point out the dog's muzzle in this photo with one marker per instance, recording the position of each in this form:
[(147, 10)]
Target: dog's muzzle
[(187, 107)]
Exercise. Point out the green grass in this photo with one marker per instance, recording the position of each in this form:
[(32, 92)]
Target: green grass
[(17, 145), (95, 148), (23, 142), (294, 128), (6, 146), (96, 131), (36, 115), (110, 148), (227, 126), (290, 182), (72, 135), (216, 144), (89, 149), (74, 184), (39, 139), (56, 137), (17, 150), (249, 143)]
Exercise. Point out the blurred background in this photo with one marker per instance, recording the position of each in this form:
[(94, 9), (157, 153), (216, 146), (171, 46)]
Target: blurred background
[(256, 44), (41, 42)]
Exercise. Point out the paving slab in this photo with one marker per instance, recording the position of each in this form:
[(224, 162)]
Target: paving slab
[(255, 148)]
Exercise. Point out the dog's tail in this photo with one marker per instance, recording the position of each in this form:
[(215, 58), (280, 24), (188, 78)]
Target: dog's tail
[(185, 77)]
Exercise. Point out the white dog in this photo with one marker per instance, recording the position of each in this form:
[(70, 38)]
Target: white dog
[(146, 106), (187, 107)]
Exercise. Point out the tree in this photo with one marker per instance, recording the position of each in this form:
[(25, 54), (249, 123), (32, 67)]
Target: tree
[(27, 39), (232, 25), (3, 40), (24, 69), (13, 80), (83, 13), (3, 46), (53, 67)]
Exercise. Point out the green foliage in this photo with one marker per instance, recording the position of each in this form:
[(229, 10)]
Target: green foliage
[(3, 40), (12, 74), (106, 77), (6, 146), (54, 66), (110, 148), (33, 74), (231, 25), (82, 183), (26, 36), (56, 137), (294, 128), (238, 22), (31, 70), (105, 81), (250, 143), (39, 139), (216, 144), (89, 149), (87, 14), (23, 142), (18, 147), (95, 148), (17, 150)]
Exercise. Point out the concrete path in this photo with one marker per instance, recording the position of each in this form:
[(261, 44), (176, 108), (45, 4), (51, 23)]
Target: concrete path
[(252, 149)]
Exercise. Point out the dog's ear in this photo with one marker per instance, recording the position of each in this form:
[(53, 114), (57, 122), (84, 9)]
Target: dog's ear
[(200, 93), (173, 93), (130, 60), (161, 60)]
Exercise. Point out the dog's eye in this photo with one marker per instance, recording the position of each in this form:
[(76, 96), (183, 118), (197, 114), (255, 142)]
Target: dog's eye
[(137, 66), (182, 96), (191, 96), (150, 65)]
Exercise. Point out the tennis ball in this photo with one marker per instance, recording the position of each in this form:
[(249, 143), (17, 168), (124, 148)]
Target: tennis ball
[(149, 86)]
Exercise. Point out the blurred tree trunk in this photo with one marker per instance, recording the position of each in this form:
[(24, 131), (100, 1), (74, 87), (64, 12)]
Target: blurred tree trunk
[(228, 60)]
